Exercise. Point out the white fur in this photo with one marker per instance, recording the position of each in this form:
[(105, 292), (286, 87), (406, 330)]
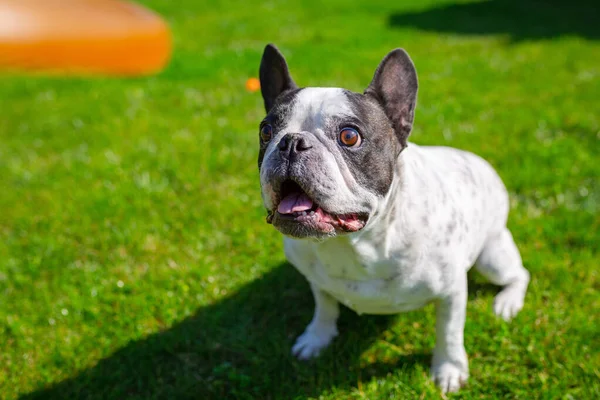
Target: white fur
[(312, 106)]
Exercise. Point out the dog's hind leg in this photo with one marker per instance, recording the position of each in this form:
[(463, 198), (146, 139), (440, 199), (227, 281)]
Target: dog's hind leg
[(500, 262)]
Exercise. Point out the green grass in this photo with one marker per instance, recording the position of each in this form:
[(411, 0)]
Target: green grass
[(134, 257)]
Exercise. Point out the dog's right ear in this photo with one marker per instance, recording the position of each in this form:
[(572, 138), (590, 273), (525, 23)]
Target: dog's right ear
[(274, 76)]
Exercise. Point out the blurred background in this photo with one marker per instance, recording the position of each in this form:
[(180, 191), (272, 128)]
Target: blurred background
[(135, 261)]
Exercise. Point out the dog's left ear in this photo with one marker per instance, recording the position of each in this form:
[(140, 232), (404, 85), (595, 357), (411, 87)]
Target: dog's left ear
[(274, 76), (394, 86)]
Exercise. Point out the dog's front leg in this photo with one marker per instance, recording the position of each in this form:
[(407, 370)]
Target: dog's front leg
[(321, 330), (450, 367)]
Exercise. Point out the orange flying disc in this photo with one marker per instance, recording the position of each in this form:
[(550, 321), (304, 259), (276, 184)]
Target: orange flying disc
[(82, 36)]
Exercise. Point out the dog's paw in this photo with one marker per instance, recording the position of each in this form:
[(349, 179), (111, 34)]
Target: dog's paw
[(448, 376), (508, 303), (312, 341)]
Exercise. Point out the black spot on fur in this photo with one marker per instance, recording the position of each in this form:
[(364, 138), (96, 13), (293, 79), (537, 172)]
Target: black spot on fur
[(451, 227)]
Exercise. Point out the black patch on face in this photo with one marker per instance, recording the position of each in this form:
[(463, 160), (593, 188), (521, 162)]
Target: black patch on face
[(372, 163)]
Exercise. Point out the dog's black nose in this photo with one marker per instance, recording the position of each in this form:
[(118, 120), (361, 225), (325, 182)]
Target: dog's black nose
[(292, 143)]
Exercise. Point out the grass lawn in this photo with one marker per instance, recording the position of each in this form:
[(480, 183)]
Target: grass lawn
[(135, 261)]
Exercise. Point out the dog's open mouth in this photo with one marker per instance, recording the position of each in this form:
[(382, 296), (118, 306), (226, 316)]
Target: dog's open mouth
[(296, 206)]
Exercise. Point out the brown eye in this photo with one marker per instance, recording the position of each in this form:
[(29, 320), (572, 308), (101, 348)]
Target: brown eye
[(266, 132), (349, 137)]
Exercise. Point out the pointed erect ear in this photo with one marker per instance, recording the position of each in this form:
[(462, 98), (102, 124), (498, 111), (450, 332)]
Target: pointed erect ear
[(274, 76), (394, 86)]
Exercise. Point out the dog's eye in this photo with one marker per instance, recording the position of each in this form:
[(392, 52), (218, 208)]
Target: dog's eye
[(349, 137), (266, 132)]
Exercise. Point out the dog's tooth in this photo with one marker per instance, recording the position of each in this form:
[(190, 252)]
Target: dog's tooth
[(303, 213), (312, 213)]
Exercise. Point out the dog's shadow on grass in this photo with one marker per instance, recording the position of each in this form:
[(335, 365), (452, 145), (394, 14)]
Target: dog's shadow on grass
[(238, 348), (520, 19)]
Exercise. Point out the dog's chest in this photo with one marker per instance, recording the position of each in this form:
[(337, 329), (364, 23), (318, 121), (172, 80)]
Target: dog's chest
[(362, 276)]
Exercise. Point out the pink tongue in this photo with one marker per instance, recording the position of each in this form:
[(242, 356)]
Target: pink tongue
[(295, 202)]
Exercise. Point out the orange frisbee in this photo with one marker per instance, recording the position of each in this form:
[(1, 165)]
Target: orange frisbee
[(82, 36)]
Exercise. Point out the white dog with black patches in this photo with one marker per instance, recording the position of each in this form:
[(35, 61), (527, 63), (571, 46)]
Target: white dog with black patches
[(377, 224)]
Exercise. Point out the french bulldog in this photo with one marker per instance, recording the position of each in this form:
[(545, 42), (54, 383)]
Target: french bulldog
[(373, 222)]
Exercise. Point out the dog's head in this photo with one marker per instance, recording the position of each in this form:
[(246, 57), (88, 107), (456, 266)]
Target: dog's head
[(327, 155)]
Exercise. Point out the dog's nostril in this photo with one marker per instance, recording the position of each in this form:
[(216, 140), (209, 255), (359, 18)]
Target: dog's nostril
[(302, 145), (284, 143)]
